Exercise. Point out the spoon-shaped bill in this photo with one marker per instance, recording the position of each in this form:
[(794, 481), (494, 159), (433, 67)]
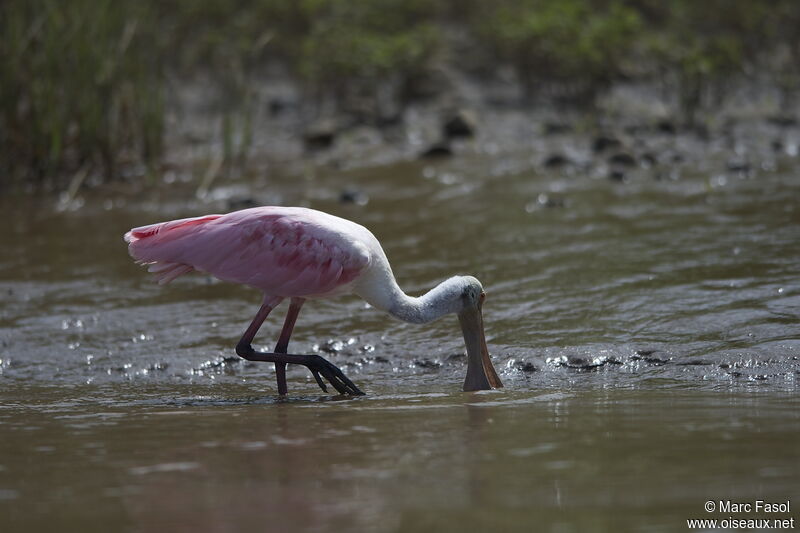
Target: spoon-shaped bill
[(480, 371)]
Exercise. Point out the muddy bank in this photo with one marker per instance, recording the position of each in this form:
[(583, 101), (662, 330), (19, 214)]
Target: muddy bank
[(633, 131)]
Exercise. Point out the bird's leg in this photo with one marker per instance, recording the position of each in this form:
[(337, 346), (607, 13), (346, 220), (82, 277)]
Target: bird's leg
[(316, 364), (283, 342), (244, 348)]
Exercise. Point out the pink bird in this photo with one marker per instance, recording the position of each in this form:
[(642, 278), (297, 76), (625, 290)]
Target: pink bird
[(298, 253)]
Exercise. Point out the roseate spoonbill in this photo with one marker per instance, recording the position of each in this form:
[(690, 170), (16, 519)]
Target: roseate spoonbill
[(298, 253)]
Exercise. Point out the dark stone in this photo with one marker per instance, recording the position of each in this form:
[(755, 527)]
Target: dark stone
[(616, 175), (461, 124), (648, 357), (320, 135), (784, 121), (622, 159), (556, 160), (583, 363), (777, 145), (437, 150), (737, 165), (525, 366), (649, 159), (426, 363), (666, 126), (277, 106), (351, 195), (603, 142)]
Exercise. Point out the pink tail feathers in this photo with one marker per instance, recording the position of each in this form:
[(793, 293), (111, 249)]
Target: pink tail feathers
[(155, 245), (166, 272), (143, 232)]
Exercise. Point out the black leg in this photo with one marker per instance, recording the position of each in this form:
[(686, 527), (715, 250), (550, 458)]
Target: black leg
[(283, 342), (316, 364)]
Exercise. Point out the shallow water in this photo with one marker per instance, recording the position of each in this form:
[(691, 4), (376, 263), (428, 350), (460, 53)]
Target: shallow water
[(647, 334)]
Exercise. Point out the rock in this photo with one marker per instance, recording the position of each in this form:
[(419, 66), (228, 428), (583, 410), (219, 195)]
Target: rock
[(351, 195), (784, 121), (603, 142), (277, 106), (437, 150), (777, 145), (616, 174), (556, 161), (525, 366), (583, 363), (666, 126), (739, 165), (320, 135), (622, 159), (694, 362), (460, 124), (648, 357)]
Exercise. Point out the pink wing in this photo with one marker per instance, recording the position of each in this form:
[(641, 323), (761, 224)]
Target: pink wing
[(283, 254)]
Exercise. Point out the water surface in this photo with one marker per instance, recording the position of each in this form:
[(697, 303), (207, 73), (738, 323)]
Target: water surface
[(646, 331)]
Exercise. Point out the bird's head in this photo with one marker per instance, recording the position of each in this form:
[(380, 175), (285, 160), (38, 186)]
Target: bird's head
[(480, 371)]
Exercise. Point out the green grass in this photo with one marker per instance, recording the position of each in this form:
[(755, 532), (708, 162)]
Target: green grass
[(572, 42), (81, 87), (83, 82)]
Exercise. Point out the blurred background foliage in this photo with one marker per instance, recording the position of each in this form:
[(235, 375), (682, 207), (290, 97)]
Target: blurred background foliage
[(83, 83)]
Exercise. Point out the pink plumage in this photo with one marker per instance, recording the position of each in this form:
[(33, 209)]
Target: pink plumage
[(297, 253), (284, 251)]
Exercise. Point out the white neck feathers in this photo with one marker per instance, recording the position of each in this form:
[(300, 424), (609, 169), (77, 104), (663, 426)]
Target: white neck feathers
[(382, 292)]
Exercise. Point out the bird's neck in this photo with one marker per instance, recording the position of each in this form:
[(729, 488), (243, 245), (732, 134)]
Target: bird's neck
[(437, 302), (419, 310)]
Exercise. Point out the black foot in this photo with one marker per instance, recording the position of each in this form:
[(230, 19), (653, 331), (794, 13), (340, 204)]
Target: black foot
[(319, 367)]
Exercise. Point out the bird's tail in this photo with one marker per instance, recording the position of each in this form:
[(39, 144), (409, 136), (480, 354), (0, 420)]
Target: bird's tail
[(154, 245), (162, 228)]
